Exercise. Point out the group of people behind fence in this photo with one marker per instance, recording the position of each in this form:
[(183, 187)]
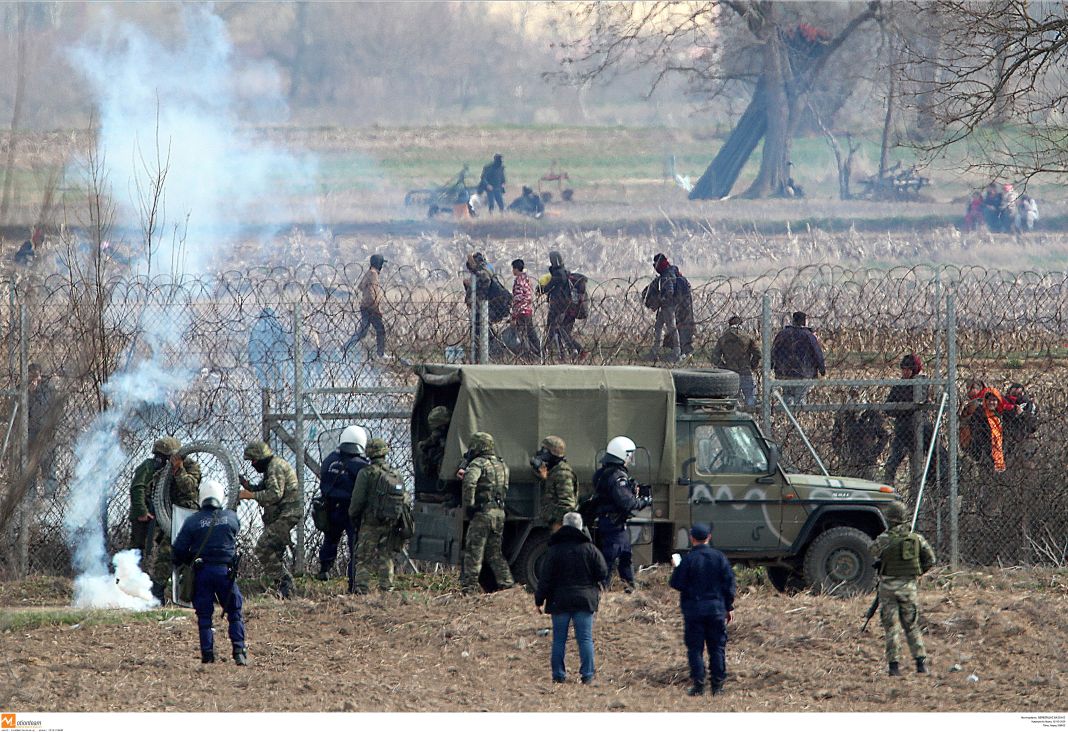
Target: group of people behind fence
[(1001, 209)]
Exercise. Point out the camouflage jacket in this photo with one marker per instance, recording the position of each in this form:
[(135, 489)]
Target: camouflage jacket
[(144, 478), (277, 492), (558, 494), (185, 488), (737, 351), (485, 482), (432, 451), (361, 492), (882, 542)]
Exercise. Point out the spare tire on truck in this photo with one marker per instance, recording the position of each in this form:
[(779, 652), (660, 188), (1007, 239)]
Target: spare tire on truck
[(710, 383)]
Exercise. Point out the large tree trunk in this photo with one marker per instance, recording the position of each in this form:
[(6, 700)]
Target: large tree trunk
[(719, 177), (773, 169)]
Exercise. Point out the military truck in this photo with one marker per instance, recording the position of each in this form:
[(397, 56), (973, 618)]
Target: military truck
[(704, 459)]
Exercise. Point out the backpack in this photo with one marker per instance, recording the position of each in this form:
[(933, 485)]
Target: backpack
[(500, 301), (651, 294), (580, 299), (388, 497)]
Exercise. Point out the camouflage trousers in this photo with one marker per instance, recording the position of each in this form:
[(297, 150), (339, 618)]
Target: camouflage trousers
[(162, 566), (899, 610), (374, 553), (271, 548), (484, 536)]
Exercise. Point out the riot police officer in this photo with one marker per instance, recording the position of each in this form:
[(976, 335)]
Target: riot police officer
[(617, 498), (208, 541), (337, 477)]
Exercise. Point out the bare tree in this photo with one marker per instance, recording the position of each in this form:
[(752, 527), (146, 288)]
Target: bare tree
[(997, 62), (763, 46)]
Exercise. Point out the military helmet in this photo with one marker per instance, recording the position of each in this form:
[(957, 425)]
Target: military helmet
[(555, 445), (377, 448), (897, 513), (257, 450), (166, 446), (482, 442), (438, 417)]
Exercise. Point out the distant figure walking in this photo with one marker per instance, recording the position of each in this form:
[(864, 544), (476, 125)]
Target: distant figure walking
[(371, 298), (492, 183)]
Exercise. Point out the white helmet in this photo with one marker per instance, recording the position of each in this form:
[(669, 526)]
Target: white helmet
[(353, 440), (620, 448), (212, 494)]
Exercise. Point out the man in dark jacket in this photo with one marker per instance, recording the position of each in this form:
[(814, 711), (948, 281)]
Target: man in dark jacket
[(616, 499), (208, 541), (492, 183), (705, 582), (570, 588), (905, 422), (666, 299), (561, 295), (338, 476), (797, 354), (858, 439)]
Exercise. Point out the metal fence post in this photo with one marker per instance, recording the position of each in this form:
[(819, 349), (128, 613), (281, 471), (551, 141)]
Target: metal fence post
[(24, 447), (473, 356), (954, 433), (298, 413), (483, 336), (765, 364)]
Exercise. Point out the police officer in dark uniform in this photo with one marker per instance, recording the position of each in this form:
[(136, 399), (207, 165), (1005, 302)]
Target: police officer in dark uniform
[(617, 498), (706, 586), (337, 477), (208, 541)]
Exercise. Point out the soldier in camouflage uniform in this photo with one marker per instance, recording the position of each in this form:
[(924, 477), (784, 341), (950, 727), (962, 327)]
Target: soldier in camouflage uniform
[(903, 556), (485, 486), (185, 488), (558, 495), (432, 448), (278, 494), (141, 487), (378, 542)]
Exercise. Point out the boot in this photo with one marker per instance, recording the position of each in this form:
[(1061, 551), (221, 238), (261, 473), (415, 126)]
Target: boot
[(322, 576), (157, 592), (207, 656), (895, 670), (285, 588), (697, 689), (717, 687), (921, 665), (628, 587), (240, 657)]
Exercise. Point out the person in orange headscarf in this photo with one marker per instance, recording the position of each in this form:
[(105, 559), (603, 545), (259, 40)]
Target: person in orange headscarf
[(987, 435)]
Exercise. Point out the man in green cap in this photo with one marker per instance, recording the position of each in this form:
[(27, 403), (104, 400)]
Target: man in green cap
[(485, 486), (902, 555), (432, 448), (142, 512), (278, 494), (184, 492), (557, 481), (379, 506)]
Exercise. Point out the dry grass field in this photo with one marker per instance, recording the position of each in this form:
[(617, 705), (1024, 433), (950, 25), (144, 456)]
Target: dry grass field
[(429, 649)]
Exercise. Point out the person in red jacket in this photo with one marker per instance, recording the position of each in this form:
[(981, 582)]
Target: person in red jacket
[(523, 309)]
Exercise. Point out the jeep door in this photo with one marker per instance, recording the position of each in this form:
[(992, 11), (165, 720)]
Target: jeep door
[(729, 486)]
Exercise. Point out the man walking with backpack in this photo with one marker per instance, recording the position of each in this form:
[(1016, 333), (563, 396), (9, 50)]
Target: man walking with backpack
[(664, 296), (380, 507), (564, 300)]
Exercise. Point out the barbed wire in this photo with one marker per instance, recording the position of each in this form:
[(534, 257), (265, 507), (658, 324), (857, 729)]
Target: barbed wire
[(1010, 327)]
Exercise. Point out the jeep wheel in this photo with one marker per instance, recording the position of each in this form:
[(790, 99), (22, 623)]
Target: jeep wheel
[(715, 383), (531, 559), (786, 579), (838, 562)]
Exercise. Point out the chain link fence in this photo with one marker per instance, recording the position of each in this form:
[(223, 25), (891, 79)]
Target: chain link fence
[(241, 336)]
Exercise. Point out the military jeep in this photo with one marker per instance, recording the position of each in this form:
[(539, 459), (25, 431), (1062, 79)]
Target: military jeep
[(705, 460)]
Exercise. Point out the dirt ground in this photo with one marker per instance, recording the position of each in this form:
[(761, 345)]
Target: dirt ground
[(433, 650)]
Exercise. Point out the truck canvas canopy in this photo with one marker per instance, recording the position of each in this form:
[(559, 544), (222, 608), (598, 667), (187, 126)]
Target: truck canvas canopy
[(585, 405)]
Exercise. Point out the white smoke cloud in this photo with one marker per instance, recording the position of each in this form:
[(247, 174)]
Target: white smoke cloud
[(219, 177)]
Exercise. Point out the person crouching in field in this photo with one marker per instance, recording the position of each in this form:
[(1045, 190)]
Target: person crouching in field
[(208, 542)]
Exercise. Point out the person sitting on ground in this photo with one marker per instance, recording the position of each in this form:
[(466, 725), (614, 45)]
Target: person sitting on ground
[(528, 204)]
